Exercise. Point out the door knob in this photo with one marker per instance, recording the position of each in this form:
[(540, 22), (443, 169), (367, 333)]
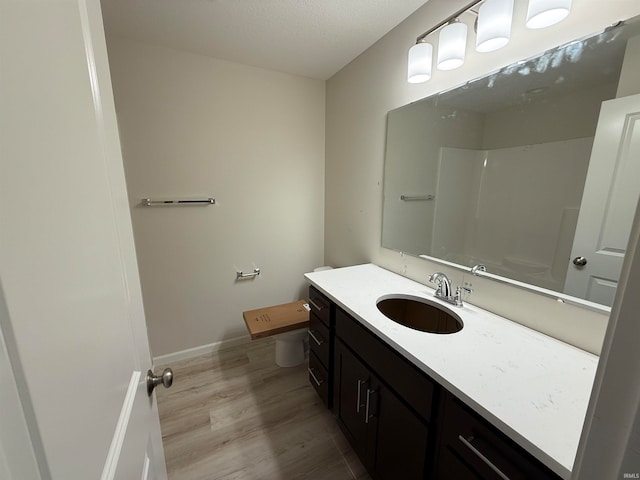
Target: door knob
[(165, 379), (580, 261)]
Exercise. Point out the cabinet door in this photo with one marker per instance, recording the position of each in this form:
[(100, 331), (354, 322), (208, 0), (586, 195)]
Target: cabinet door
[(472, 449), (451, 466), (390, 439), (400, 436), (352, 380)]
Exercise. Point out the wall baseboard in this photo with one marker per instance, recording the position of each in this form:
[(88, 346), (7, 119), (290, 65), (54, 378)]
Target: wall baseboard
[(201, 350)]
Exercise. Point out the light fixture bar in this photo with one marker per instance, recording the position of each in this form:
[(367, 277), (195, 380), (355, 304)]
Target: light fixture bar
[(448, 19)]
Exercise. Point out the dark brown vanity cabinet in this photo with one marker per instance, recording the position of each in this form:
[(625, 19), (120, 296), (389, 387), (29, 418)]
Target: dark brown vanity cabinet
[(472, 449), (321, 345), (400, 422), (388, 434)]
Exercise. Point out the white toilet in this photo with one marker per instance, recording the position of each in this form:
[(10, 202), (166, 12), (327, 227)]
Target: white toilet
[(292, 347)]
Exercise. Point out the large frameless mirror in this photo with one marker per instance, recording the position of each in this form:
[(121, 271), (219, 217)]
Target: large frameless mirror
[(531, 171)]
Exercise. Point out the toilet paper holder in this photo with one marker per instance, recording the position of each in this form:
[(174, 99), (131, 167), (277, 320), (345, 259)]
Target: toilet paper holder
[(255, 273)]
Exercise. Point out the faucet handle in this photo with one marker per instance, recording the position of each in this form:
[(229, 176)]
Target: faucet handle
[(437, 279), (458, 297)]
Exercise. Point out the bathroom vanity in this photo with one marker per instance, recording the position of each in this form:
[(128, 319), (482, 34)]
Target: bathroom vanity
[(495, 400)]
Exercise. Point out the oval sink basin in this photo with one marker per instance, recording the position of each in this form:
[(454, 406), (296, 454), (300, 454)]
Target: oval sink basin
[(418, 314)]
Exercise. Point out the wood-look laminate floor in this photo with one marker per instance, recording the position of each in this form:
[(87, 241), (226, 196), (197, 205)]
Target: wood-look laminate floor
[(235, 415)]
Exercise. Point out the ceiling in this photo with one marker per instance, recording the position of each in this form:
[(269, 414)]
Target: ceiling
[(312, 38)]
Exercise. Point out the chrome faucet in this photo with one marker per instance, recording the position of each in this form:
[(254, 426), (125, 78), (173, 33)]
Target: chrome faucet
[(443, 289), (443, 284), (478, 268)]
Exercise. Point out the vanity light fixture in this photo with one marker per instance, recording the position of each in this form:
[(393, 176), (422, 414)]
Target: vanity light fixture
[(494, 25), (493, 32), (452, 44), (420, 59), (544, 13)]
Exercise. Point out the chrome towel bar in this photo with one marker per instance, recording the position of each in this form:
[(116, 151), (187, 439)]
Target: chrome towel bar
[(408, 198), (147, 202)]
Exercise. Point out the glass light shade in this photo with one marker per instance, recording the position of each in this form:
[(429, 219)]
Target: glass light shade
[(452, 44), (420, 59), (494, 25), (544, 13)]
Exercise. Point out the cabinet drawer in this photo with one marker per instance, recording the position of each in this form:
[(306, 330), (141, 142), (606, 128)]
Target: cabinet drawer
[(411, 384), (319, 378), (319, 339), (470, 444), (320, 306)]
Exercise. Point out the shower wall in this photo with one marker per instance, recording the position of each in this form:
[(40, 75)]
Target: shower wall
[(517, 208), (413, 136)]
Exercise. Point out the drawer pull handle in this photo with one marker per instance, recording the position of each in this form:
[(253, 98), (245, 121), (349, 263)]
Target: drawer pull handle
[(314, 337), (358, 404), (315, 379), (467, 443), (366, 410), (315, 305)]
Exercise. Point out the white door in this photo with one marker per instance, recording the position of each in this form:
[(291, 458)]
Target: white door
[(75, 321), (17, 459), (608, 204)]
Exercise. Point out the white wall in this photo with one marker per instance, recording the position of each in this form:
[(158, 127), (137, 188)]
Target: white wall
[(630, 75), (358, 99), (414, 135), (253, 139), (575, 115)]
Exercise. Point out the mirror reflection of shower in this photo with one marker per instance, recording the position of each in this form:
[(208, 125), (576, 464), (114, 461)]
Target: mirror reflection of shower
[(505, 158), (517, 211)]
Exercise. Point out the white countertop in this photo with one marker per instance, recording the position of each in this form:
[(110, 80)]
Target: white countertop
[(532, 387)]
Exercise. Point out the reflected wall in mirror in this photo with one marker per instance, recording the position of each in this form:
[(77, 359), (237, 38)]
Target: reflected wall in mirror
[(525, 169)]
